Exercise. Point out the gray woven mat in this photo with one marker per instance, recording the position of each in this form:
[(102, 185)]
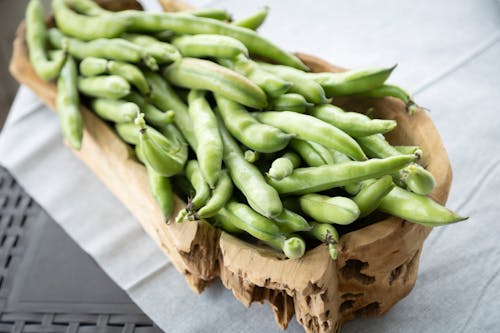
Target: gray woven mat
[(47, 283)]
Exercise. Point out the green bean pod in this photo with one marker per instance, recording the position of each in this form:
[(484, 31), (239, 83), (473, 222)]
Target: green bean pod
[(255, 20), (289, 222), (68, 104), (301, 83), (290, 102), (203, 74), (417, 208), (353, 123), (114, 49), (247, 178), (128, 132), (247, 130), (220, 196), (315, 179), (253, 223), (163, 53), (371, 194), (283, 167), (160, 187), (351, 82), (415, 177), (271, 84), (115, 110), (209, 46), (388, 90), (106, 86), (325, 209), (188, 24), (306, 127), (152, 115), (224, 219), (206, 129), (326, 233), (213, 13), (312, 153), (164, 152), (164, 97), (36, 38), (293, 246), (87, 27)]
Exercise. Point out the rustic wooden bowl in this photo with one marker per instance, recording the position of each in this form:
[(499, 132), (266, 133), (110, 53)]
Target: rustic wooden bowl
[(376, 267)]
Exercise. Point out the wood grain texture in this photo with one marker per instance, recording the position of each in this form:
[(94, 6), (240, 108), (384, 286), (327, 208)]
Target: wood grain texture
[(377, 265)]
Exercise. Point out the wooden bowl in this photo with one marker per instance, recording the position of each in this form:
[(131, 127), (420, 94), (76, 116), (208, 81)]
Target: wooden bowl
[(376, 267)]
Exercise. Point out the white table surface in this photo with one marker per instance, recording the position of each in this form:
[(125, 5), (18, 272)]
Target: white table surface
[(448, 55)]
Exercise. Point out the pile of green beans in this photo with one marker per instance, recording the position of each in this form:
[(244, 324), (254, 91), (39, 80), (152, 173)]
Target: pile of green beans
[(255, 148)]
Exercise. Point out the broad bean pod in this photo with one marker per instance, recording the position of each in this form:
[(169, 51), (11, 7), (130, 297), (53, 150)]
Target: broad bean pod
[(114, 49), (225, 220), (247, 178), (389, 90), (160, 187), (306, 127), (246, 129), (289, 222), (36, 38), (283, 167), (163, 53), (415, 177), (206, 130), (165, 152), (68, 104), (351, 82), (407, 150), (290, 102), (209, 46), (152, 115), (353, 123), (312, 153), (253, 223), (106, 86), (212, 13), (115, 110), (255, 20), (315, 179), (202, 191), (371, 194), (326, 233), (203, 74), (128, 132), (87, 27), (88, 7), (164, 97), (325, 209), (220, 196), (251, 156), (271, 84), (417, 208), (301, 83), (191, 25), (293, 246)]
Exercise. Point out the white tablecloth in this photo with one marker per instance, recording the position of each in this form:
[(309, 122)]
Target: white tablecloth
[(448, 53)]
